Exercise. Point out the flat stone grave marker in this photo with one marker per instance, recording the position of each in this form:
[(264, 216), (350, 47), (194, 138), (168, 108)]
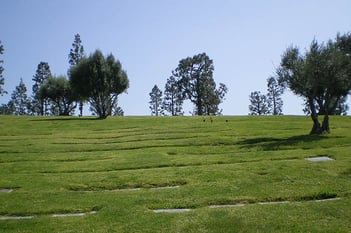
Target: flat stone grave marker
[(319, 159), (171, 210), (6, 190), (15, 217)]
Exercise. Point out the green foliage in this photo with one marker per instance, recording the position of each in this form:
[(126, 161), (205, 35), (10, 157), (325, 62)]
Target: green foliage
[(2, 79), (259, 104), (172, 100), (40, 105), (195, 79), (156, 101), (69, 165), (118, 111), (99, 80), (58, 90), (274, 92), (322, 76), (5, 109), (75, 55), (77, 51), (19, 103)]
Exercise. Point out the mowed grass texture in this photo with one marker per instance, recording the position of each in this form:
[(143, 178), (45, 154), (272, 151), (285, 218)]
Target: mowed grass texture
[(119, 170)]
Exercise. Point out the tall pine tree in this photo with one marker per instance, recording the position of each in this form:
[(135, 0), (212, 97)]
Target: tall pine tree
[(156, 101), (40, 104), (275, 102), (259, 105), (2, 79), (172, 100), (195, 79), (75, 55), (20, 102)]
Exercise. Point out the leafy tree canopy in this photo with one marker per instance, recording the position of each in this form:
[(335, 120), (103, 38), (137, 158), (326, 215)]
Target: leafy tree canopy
[(322, 76), (195, 79), (99, 80), (59, 91)]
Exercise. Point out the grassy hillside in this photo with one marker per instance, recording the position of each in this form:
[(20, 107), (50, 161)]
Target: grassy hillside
[(235, 174)]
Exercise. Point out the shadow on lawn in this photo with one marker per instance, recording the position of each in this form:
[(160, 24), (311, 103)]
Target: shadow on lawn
[(270, 143), (68, 119)]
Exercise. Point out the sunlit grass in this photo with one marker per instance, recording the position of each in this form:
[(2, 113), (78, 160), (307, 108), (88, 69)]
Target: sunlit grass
[(125, 167)]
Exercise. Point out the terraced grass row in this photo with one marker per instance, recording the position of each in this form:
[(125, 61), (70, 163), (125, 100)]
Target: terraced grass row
[(122, 168)]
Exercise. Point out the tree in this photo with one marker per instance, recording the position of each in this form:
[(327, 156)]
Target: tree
[(259, 104), (5, 109), (341, 108), (195, 80), (19, 100), (99, 80), (118, 111), (322, 76), (274, 100), (75, 55), (172, 100), (156, 101), (214, 98), (2, 79), (40, 104), (59, 91)]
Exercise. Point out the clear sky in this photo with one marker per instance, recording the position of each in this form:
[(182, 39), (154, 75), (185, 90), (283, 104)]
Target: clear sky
[(244, 38)]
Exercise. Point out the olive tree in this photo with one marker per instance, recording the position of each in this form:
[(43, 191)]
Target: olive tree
[(322, 76)]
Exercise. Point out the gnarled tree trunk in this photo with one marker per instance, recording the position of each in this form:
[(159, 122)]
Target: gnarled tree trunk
[(316, 128)]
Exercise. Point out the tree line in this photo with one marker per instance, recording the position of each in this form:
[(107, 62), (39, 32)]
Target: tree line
[(321, 76), (271, 103), (95, 79)]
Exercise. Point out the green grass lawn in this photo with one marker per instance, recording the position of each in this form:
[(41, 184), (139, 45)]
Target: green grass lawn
[(119, 170)]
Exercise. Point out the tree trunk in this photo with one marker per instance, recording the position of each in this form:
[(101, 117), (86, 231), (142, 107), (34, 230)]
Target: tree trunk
[(199, 107), (81, 108), (316, 129), (325, 124)]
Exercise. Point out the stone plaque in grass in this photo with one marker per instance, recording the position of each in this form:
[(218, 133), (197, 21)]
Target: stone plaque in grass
[(319, 159)]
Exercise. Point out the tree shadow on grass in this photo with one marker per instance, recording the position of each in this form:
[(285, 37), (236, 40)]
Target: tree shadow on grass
[(270, 143), (68, 119)]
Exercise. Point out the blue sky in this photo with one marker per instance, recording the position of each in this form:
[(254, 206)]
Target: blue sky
[(245, 39)]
